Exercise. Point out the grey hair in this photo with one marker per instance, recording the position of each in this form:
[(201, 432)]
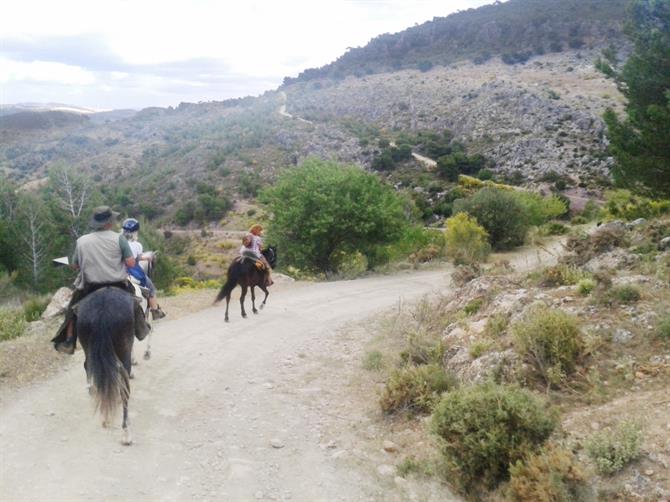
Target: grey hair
[(131, 236)]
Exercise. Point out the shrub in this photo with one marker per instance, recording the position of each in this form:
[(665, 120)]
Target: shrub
[(34, 307), (663, 328), (408, 466), (415, 389), (418, 241), (496, 325), (467, 242), (485, 428), (349, 265), (561, 275), (12, 323), (611, 450), (500, 213), (479, 347), (485, 174), (422, 348), (551, 341), (607, 238), (626, 293), (541, 209), (425, 254), (373, 361), (553, 228), (585, 286), (623, 204), (551, 474), (473, 306)]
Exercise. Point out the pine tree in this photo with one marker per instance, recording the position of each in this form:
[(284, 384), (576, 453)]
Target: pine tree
[(641, 142)]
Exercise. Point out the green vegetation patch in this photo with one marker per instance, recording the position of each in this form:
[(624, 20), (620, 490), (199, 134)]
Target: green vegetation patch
[(323, 207), (415, 389), (467, 241), (500, 213), (551, 341), (12, 323), (551, 474), (611, 450), (486, 428)]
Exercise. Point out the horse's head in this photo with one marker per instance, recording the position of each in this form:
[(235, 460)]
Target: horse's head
[(270, 254)]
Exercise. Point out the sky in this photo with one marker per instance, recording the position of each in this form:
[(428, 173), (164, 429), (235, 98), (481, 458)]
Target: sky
[(111, 54)]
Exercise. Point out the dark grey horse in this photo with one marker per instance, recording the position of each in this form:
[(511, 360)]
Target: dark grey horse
[(106, 328)]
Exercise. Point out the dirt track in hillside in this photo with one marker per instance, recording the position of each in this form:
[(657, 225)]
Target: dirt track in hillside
[(257, 409)]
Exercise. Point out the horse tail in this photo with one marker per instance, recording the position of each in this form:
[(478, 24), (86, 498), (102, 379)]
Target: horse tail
[(232, 277), (101, 316)]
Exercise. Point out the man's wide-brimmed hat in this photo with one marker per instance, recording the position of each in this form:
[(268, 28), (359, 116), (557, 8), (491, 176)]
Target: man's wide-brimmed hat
[(102, 215)]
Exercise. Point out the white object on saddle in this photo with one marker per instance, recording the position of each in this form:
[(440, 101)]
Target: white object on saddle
[(63, 260), (147, 258)]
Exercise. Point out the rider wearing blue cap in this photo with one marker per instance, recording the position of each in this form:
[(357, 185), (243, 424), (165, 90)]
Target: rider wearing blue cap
[(130, 229)]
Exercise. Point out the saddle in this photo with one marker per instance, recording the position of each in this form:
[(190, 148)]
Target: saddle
[(252, 258)]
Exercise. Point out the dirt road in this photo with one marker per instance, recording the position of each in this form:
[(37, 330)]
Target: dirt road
[(256, 409)]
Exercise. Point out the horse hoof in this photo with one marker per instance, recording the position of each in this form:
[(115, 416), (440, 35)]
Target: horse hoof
[(105, 424), (255, 311), (133, 362), (131, 376), (226, 320), (147, 355), (262, 305), (127, 438), (244, 316)]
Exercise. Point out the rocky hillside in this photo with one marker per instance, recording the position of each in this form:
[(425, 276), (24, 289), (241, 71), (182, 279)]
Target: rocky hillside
[(609, 290), (538, 117), (528, 118)]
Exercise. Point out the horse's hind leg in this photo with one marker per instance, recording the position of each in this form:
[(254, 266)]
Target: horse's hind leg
[(227, 304), (125, 397), (253, 300), (90, 388), (147, 351)]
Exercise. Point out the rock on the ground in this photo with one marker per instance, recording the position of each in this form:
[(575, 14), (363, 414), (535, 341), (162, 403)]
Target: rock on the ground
[(622, 336), (386, 470), (390, 446), (277, 443), (616, 259), (58, 303), (458, 362)]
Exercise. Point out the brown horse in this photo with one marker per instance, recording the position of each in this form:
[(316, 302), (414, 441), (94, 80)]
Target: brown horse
[(244, 272)]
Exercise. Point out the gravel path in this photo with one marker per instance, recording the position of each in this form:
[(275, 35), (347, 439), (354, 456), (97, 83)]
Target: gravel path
[(220, 412)]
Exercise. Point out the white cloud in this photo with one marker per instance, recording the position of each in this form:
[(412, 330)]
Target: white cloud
[(44, 71), (261, 40)]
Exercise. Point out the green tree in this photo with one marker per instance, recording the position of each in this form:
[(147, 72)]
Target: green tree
[(500, 213), (322, 208), (640, 142), (8, 238)]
